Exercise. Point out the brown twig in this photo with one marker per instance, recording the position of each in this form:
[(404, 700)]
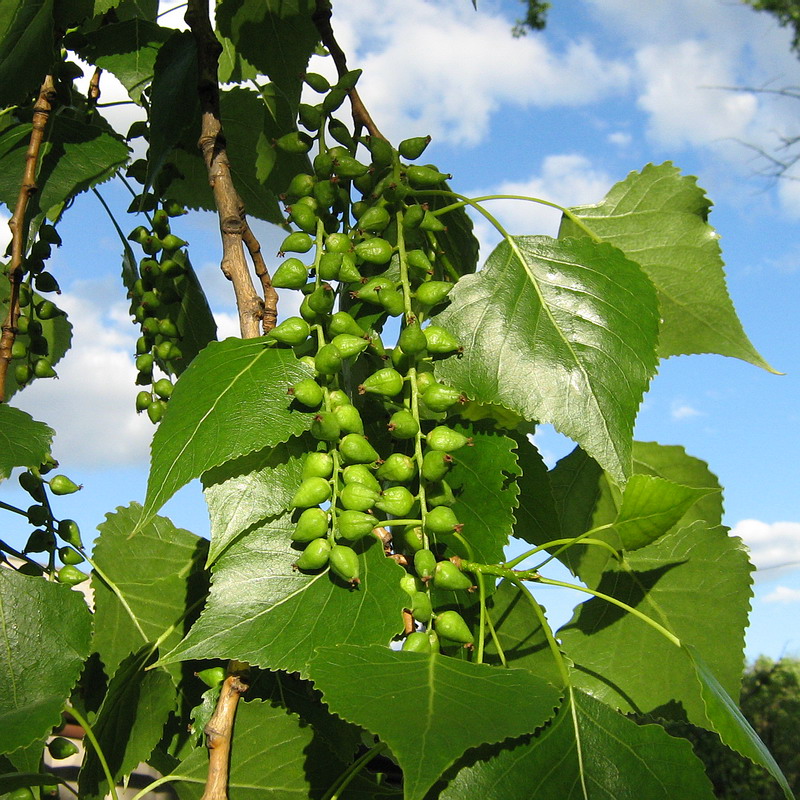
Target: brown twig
[(270, 319), (322, 22), (41, 115), (219, 732), (232, 222)]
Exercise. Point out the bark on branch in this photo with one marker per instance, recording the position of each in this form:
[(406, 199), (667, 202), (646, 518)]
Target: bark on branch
[(41, 115), (233, 225)]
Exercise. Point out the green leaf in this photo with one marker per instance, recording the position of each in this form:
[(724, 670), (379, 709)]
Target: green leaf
[(174, 105), (128, 50), (23, 441), (693, 568), (129, 723), (74, 156), (429, 709), (263, 611), (250, 489), (729, 722), (561, 332), (277, 756), (232, 400), (155, 580), (521, 635), (26, 48), (482, 478), (659, 218), (56, 331), (46, 632), (588, 752), (277, 37)]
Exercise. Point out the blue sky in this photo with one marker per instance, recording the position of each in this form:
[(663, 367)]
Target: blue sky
[(608, 87)]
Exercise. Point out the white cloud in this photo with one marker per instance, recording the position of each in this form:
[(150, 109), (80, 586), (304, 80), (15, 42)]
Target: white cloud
[(783, 595), (681, 411), (774, 547), (442, 68), (91, 405), (619, 138)]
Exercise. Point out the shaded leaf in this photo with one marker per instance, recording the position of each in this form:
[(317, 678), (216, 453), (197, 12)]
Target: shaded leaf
[(46, 632), (24, 442), (232, 400), (588, 752), (561, 332), (625, 663), (277, 756), (26, 48), (425, 707), (248, 490), (127, 49), (537, 517), (263, 611), (157, 581), (128, 724), (659, 218)]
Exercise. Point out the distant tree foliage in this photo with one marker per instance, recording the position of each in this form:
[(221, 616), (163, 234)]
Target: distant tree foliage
[(535, 18), (787, 12)]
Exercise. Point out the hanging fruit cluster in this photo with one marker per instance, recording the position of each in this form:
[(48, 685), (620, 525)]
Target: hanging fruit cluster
[(156, 304), (31, 350), (364, 245)]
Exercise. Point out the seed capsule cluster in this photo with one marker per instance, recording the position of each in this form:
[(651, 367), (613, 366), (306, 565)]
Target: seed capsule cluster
[(31, 350), (156, 304), (364, 251)]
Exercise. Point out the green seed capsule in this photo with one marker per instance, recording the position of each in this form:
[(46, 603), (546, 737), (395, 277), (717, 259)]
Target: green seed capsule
[(412, 340), (357, 497), (212, 677), (397, 501), (450, 625), (349, 419), (328, 360), (374, 219), (344, 563), (439, 397), (413, 148), (47, 233), (403, 425), (413, 217), (421, 607), (374, 251), (341, 322), (338, 398), (381, 151), (61, 484), (291, 331), (317, 465), (323, 166), (353, 525), (441, 520), (418, 260), (371, 291), (329, 265), (350, 345), (143, 400), (70, 575), (393, 302), (425, 177), (40, 541), (321, 300), (312, 492), (417, 642), (312, 524), (448, 576), (411, 585), (70, 556), (308, 313), (325, 427), (315, 556), (424, 564), (348, 167), (386, 382), (425, 380), (435, 465), (60, 748), (304, 217), (300, 186), (308, 392), (156, 410), (19, 349), (413, 538), (319, 83), (357, 450), (69, 531), (163, 388), (398, 467), (294, 143), (430, 222), (446, 439), (42, 368), (338, 243), (441, 340), (170, 242), (361, 473), (298, 242)]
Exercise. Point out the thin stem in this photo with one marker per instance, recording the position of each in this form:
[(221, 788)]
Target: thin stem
[(84, 723), (493, 632), (548, 631), (17, 554), (16, 510), (335, 792), (567, 543), (154, 785)]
